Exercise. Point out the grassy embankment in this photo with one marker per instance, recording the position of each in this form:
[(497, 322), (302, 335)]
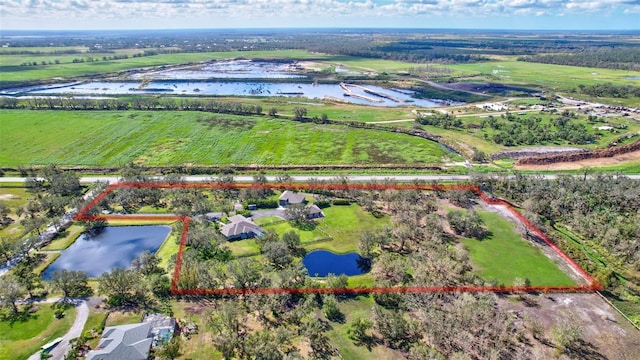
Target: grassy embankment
[(170, 138), (504, 256), (19, 340)]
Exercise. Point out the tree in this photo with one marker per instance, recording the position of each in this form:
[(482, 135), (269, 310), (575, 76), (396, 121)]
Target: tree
[(396, 331), (299, 113), (291, 239), (72, 283), (296, 213), (10, 292), (331, 310), (273, 112), (7, 248), (27, 278), (358, 330), (4, 215), (277, 254), (147, 263), (122, 287), (170, 350)]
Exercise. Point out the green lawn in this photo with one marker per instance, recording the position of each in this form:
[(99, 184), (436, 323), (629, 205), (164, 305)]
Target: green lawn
[(94, 321), (306, 236), (23, 339), (169, 247), (345, 224), (113, 138), (244, 247), (72, 233), (13, 197), (505, 255)]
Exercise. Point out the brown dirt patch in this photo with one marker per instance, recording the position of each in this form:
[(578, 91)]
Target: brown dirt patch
[(607, 335), (576, 165)]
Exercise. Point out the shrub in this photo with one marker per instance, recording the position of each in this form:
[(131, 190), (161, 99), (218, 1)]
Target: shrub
[(341, 202)]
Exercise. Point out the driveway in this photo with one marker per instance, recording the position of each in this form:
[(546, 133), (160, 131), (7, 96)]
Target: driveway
[(257, 214), (82, 313)]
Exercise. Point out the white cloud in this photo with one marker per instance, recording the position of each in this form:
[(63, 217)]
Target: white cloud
[(188, 13)]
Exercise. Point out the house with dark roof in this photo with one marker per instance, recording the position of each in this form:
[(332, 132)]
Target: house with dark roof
[(314, 212), (124, 342), (291, 198), (239, 227)]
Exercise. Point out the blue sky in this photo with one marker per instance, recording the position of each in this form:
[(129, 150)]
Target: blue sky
[(166, 14)]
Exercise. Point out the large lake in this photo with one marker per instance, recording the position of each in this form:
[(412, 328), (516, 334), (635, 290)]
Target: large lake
[(358, 95), (115, 247), (322, 263)]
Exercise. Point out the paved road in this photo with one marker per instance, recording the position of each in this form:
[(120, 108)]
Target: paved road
[(82, 313), (304, 178)]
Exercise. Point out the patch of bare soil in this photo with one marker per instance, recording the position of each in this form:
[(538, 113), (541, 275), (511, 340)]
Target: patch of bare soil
[(597, 157), (576, 165), (606, 334), (533, 151), (550, 253), (6, 196)]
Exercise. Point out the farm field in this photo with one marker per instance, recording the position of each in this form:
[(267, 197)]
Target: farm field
[(169, 138), (504, 256)]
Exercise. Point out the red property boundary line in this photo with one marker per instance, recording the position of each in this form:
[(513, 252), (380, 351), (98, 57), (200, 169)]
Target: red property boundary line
[(84, 215)]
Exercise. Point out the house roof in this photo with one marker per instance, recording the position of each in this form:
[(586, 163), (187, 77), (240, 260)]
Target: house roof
[(124, 342), (314, 209), (291, 197), (239, 225)]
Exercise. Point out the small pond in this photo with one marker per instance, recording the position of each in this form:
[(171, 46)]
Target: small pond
[(114, 247), (322, 263)]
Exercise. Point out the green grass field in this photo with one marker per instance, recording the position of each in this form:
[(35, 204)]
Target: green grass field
[(345, 224), (306, 236), (558, 77), (14, 198), (171, 138), (505, 255), (22, 339), (71, 234)]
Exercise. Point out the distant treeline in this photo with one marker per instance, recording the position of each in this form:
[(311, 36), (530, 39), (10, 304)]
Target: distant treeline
[(610, 90), (621, 58), (618, 52)]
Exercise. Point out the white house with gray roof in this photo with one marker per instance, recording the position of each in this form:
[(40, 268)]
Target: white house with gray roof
[(239, 227), (291, 198), (124, 342)]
